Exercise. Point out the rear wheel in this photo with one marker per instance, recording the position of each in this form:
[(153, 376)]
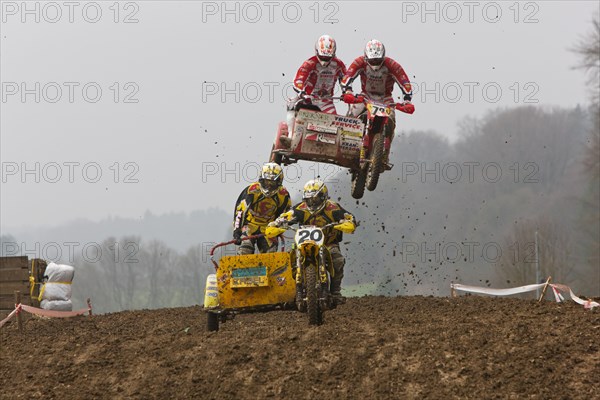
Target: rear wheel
[(313, 305), (359, 178), (212, 322), (376, 164)]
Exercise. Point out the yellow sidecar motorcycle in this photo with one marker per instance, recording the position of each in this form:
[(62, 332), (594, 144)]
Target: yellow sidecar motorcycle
[(248, 283)]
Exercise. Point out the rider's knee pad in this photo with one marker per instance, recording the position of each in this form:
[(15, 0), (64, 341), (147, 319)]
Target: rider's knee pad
[(246, 248)]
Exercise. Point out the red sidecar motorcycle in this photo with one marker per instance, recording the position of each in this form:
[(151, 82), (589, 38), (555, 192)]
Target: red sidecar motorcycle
[(360, 144)]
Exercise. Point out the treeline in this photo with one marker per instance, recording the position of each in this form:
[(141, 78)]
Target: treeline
[(464, 211), (134, 274), (515, 199), (468, 211)]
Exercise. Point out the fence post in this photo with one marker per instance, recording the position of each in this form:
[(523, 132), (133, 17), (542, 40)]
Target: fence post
[(544, 290), (17, 304)]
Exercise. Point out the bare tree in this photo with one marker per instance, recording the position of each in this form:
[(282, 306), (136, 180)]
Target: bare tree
[(518, 266), (588, 242), (588, 49), (158, 264)]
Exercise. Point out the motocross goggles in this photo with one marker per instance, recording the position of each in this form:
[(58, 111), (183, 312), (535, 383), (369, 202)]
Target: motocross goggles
[(314, 202), (375, 62), (324, 59), (269, 185)]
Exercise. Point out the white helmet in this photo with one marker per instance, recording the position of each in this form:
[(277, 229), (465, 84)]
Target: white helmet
[(325, 49), (374, 54)]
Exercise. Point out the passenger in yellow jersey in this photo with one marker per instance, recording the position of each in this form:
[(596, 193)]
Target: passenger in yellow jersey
[(316, 209), (257, 205)]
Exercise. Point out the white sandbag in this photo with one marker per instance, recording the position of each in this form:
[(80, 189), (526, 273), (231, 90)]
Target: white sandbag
[(59, 272), (56, 291), (57, 305), (58, 285)]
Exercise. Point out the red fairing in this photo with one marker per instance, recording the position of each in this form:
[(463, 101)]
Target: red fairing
[(379, 83), (316, 79)]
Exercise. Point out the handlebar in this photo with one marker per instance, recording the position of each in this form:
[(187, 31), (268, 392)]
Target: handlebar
[(405, 107), (288, 223), (305, 96)]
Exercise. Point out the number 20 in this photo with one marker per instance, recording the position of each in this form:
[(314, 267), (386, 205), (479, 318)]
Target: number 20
[(315, 235)]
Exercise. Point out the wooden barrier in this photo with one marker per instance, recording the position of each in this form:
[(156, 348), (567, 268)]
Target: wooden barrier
[(14, 276)]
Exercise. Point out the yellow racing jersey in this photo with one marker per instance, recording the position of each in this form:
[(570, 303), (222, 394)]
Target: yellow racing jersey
[(331, 212), (256, 210)]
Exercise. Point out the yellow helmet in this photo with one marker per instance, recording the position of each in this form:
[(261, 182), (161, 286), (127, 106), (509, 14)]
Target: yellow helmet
[(271, 178), (315, 195)]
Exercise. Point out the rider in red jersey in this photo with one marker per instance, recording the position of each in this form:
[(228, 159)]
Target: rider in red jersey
[(378, 74)]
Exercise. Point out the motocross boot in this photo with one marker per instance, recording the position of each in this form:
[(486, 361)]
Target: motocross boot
[(335, 290), (285, 142), (389, 135), (386, 162), (300, 303)]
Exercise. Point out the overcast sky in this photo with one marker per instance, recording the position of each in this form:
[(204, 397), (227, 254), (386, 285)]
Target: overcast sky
[(145, 106)]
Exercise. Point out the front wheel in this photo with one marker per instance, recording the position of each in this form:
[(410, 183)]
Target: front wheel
[(313, 305), (376, 161), (212, 322), (358, 183)]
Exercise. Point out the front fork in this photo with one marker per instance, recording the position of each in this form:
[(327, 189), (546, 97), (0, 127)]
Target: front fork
[(323, 272), (365, 149), (321, 269)]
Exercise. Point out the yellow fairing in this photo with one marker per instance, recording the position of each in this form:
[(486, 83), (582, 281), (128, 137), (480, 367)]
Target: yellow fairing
[(309, 249), (255, 280)]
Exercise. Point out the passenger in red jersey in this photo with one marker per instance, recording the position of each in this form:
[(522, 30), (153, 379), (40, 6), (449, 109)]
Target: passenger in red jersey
[(317, 75)]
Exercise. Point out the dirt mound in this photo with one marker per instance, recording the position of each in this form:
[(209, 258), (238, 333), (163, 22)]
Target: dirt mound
[(371, 347)]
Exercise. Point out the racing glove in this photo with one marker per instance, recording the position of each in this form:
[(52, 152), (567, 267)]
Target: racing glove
[(237, 236), (408, 97), (351, 98), (406, 107)]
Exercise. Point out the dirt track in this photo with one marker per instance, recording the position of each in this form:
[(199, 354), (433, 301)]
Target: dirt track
[(371, 347)]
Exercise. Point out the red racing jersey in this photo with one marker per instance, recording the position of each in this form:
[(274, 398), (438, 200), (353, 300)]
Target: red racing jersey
[(378, 83), (313, 78)]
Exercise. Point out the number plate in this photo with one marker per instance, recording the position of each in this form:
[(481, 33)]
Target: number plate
[(379, 109), (309, 233), (249, 277)]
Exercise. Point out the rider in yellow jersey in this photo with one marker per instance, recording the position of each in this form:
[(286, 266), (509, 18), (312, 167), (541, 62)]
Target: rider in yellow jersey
[(316, 209), (257, 205)]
